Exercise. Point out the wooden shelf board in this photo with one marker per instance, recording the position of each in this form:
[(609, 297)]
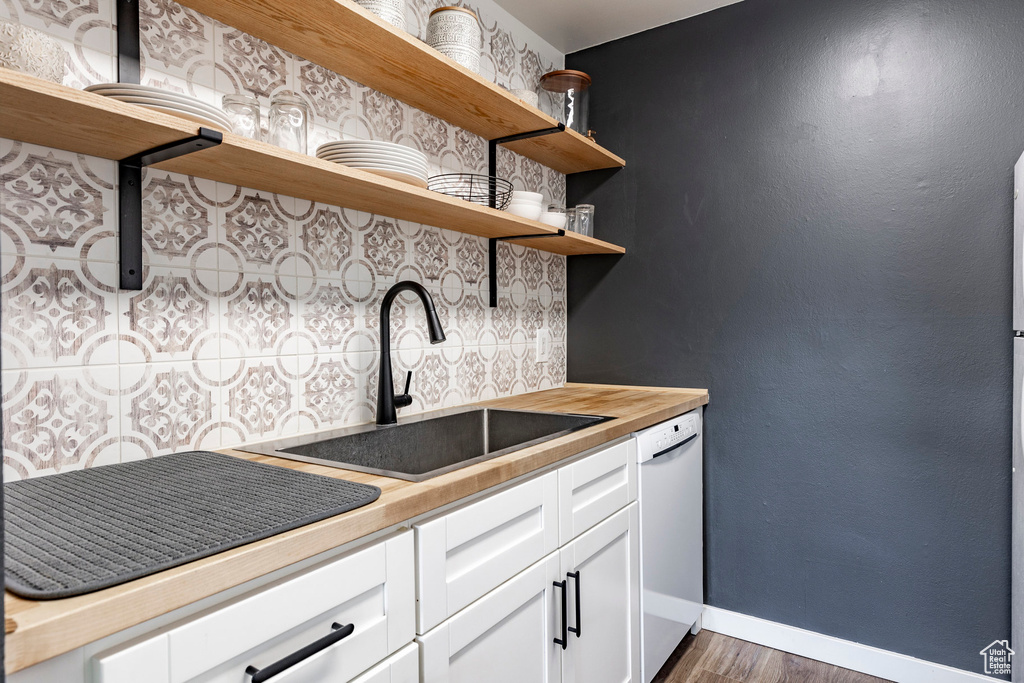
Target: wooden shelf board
[(44, 113), (345, 38)]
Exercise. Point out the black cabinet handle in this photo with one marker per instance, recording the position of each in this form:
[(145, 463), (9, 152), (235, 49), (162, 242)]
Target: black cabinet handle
[(578, 629), (266, 673), (564, 640)]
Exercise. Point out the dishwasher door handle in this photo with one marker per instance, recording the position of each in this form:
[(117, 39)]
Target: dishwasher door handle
[(676, 445)]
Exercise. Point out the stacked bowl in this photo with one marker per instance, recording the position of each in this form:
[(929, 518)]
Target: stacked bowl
[(527, 205), (387, 159), (164, 101)]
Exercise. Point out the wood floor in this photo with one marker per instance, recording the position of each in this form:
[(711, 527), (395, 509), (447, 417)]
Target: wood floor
[(713, 658)]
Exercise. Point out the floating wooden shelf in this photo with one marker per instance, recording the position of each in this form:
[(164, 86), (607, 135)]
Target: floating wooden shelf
[(36, 111), (342, 36)]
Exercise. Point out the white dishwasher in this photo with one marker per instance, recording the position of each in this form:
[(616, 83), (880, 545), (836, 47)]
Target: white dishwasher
[(670, 457)]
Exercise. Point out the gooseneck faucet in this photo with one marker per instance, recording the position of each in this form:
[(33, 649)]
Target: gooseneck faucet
[(386, 399)]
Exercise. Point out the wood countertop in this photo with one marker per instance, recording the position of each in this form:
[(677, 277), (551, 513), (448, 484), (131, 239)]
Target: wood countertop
[(39, 630)]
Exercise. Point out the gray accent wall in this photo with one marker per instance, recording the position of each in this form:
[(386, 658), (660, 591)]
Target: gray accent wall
[(817, 212)]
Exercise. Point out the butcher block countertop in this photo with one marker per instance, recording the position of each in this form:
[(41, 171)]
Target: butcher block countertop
[(39, 630)]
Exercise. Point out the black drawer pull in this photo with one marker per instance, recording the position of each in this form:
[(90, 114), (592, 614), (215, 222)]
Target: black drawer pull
[(266, 673), (578, 630), (564, 640)]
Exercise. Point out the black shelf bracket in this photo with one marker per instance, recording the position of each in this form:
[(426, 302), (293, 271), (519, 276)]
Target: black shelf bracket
[(492, 259), (129, 199), (492, 170), (129, 171)]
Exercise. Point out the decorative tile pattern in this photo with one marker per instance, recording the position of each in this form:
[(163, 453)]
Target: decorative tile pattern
[(259, 314)]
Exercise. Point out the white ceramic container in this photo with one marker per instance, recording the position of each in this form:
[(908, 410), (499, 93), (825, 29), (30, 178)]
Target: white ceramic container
[(391, 11), (455, 33)]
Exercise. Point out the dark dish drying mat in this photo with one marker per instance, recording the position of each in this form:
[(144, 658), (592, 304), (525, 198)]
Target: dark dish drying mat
[(78, 532)]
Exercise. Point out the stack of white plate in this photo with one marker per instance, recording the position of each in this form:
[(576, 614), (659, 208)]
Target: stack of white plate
[(167, 102), (383, 158)]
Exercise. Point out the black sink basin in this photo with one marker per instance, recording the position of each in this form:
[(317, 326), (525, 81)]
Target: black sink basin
[(424, 446)]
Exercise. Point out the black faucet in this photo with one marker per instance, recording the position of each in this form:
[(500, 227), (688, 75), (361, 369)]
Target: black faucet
[(386, 399)]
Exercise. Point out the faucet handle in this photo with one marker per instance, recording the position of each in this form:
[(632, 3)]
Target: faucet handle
[(404, 400)]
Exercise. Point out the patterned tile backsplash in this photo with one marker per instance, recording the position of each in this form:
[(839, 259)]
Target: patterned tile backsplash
[(259, 313)]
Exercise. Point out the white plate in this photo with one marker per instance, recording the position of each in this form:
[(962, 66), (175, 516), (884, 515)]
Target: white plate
[(369, 146), (356, 163), (198, 118), (374, 159), (388, 169), (127, 90), (419, 158), (414, 158), (398, 175), (181, 109), (166, 102), (379, 144)]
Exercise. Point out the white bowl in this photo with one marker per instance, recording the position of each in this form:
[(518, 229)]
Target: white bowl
[(523, 202), (535, 197), (528, 211), (554, 219)]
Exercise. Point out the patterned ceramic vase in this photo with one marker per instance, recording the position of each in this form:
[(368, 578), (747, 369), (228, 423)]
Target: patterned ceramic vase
[(31, 52), (391, 11), (455, 33)]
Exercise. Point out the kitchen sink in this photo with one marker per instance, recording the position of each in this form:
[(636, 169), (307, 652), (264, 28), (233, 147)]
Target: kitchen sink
[(430, 444)]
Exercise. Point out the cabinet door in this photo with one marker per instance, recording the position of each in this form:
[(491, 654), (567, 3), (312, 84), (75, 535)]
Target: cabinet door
[(505, 637), (372, 588), (594, 488), (602, 568), (401, 667), (467, 552)]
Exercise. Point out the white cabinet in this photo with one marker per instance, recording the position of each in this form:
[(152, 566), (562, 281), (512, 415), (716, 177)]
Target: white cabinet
[(467, 552), (505, 637), (401, 667), (513, 633), (591, 489), (372, 589), (603, 592)]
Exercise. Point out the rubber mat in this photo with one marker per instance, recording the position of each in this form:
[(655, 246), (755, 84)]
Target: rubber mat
[(77, 532)]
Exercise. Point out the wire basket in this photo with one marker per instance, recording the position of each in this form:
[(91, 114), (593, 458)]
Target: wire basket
[(473, 188)]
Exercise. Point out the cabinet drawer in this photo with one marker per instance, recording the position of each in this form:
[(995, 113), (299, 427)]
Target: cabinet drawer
[(401, 667), (373, 589), (594, 488), (466, 553)]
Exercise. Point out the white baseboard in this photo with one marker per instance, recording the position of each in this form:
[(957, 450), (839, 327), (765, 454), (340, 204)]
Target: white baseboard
[(843, 653)]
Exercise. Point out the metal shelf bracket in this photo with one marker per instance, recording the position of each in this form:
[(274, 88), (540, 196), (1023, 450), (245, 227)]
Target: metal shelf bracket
[(492, 259), (492, 170), (129, 198), (129, 171)]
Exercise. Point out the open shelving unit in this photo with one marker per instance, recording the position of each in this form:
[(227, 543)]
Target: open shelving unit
[(341, 36), (44, 113)]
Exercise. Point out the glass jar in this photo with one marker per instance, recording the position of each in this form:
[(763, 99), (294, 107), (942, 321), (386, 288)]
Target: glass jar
[(289, 119), (572, 88), (244, 113), (585, 219)]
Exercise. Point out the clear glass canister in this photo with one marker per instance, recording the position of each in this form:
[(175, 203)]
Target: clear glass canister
[(572, 88), (289, 119), (244, 113)]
